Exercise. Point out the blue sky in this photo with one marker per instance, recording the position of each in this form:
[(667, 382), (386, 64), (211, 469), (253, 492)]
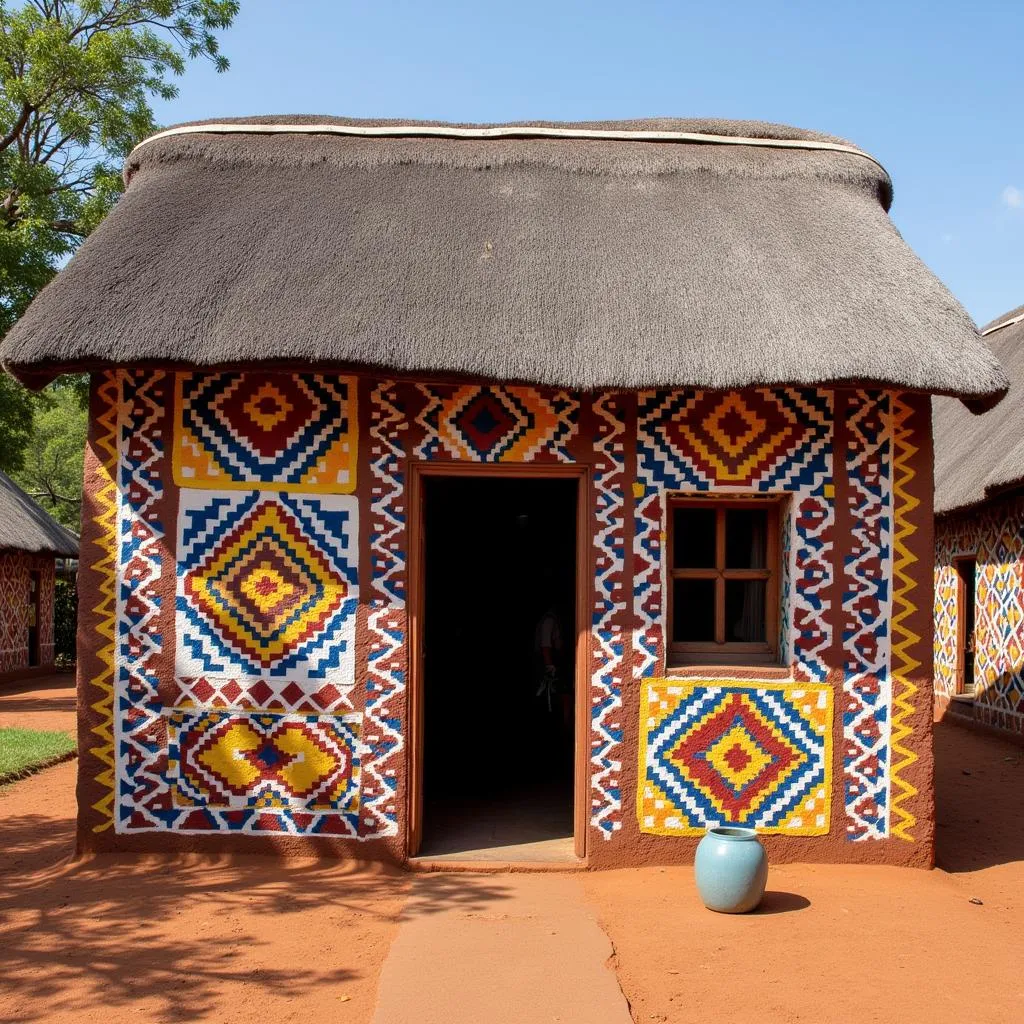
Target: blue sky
[(933, 90)]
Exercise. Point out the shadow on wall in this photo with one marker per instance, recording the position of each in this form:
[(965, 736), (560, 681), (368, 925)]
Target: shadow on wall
[(979, 798), (172, 938)]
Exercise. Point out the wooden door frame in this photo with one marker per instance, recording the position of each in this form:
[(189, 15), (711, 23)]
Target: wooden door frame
[(963, 686), (417, 470)]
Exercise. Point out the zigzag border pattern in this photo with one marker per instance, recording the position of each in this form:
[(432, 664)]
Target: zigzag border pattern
[(904, 664), (383, 741), (105, 568), (609, 603), (647, 584), (867, 600), (139, 727)]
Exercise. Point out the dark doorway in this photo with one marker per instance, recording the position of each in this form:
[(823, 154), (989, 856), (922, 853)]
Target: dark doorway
[(966, 569), (34, 586), (498, 722)]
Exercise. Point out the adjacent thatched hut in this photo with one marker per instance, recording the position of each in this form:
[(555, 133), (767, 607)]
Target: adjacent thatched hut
[(566, 487), (30, 541), (979, 550)]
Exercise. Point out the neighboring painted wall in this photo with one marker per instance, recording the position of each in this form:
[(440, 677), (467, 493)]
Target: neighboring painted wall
[(994, 535), (15, 608), (850, 713)]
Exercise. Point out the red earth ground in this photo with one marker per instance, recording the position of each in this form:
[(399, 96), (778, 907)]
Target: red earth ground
[(249, 938)]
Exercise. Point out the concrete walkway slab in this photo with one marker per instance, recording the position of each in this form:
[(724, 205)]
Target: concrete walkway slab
[(513, 949)]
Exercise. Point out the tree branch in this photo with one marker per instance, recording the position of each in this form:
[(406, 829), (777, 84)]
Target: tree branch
[(19, 127), (67, 227)]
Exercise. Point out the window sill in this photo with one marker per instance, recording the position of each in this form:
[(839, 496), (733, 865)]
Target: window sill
[(963, 698), (767, 673)]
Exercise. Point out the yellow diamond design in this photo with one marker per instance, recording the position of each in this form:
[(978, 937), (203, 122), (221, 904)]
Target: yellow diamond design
[(738, 757), (267, 588)]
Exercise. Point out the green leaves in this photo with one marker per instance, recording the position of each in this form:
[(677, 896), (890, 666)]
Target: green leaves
[(76, 80)]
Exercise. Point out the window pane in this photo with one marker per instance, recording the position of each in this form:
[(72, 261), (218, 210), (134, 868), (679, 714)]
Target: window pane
[(693, 538), (693, 611), (744, 611), (746, 538)]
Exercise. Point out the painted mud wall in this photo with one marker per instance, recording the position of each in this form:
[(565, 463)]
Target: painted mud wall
[(994, 535), (244, 642), (16, 568)]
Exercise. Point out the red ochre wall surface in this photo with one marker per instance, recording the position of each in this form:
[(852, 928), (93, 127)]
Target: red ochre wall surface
[(16, 608), (993, 534), (208, 496)]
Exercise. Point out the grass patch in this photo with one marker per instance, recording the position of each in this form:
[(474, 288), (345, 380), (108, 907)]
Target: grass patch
[(21, 750)]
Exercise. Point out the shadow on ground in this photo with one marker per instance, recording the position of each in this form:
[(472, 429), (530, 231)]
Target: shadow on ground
[(169, 936), (33, 705), (43, 702), (979, 799), (775, 902)]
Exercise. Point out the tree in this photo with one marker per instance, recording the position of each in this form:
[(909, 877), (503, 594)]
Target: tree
[(16, 409), (75, 84), (51, 471), (76, 80)]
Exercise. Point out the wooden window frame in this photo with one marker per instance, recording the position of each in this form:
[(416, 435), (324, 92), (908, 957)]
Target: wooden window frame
[(722, 652)]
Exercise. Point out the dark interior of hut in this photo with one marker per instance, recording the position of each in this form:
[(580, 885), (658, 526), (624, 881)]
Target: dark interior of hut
[(499, 588)]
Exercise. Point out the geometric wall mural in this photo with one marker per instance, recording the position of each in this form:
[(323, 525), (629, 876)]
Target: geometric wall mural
[(779, 441), (280, 431), (496, 423), (244, 717), (721, 753), (768, 441), (226, 759), (16, 568), (136, 408), (609, 633), (267, 593), (267, 587), (993, 535), (867, 607), (385, 581)]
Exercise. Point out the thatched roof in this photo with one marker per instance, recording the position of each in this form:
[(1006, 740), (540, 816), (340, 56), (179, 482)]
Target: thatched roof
[(24, 526), (679, 253), (979, 456)]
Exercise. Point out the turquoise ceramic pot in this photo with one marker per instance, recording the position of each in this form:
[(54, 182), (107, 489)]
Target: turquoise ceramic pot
[(731, 869)]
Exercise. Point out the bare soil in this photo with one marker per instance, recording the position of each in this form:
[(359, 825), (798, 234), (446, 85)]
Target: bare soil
[(251, 938), (160, 939), (845, 944), (45, 702)]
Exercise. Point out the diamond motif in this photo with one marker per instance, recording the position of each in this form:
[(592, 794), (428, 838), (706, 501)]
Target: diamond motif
[(273, 430), (734, 437), (496, 423), (256, 409), (267, 591), (717, 753), (488, 425), (226, 759), (740, 761), (708, 756), (265, 588)]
